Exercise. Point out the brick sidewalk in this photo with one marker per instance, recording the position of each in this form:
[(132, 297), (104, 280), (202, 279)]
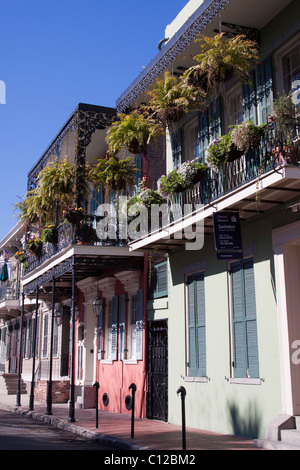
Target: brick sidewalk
[(115, 429)]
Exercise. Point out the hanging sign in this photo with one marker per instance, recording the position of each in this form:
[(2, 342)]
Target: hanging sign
[(228, 238)]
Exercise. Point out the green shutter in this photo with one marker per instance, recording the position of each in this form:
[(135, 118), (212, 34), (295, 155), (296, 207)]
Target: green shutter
[(238, 318), (114, 327), (196, 325), (203, 135), (249, 99), (139, 323), (161, 280), (176, 142), (215, 119), (122, 326), (245, 344), (265, 89)]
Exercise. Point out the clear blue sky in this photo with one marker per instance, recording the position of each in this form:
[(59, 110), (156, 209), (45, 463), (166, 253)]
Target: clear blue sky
[(55, 54)]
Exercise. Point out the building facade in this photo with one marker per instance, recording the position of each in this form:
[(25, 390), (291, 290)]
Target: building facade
[(231, 331)]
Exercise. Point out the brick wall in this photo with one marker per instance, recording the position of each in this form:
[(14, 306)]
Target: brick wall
[(60, 391)]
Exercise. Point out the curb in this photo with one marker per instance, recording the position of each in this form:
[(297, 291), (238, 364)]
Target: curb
[(114, 443)]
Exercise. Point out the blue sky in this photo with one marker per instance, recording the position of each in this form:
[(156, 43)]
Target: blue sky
[(56, 54)]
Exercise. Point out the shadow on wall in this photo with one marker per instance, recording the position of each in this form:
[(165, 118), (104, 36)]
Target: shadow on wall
[(247, 424)]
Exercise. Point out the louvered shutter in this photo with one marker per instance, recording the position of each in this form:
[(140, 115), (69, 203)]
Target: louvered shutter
[(122, 327), (251, 323), (161, 280), (200, 324), (249, 99), (215, 123), (245, 343), (114, 327), (203, 135), (176, 142), (238, 321), (139, 323), (99, 337), (196, 326), (265, 89)]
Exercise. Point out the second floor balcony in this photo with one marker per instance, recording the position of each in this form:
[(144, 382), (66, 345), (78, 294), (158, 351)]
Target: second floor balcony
[(266, 176)]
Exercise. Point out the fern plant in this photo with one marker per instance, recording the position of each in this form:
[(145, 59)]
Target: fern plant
[(220, 59), (133, 131), (170, 99), (114, 173)]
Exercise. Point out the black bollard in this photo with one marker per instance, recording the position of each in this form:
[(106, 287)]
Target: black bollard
[(133, 388), (182, 391), (97, 386)]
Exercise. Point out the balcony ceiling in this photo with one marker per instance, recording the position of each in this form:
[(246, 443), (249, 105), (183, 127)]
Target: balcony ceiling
[(278, 189), (180, 49)]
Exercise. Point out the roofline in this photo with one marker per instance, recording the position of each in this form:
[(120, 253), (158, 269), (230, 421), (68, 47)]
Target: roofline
[(184, 36), (79, 107)]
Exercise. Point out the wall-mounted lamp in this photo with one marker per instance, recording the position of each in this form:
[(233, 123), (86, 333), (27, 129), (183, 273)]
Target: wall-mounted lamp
[(58, 314), (98, 307)]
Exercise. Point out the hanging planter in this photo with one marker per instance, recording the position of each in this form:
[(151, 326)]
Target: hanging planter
[(133, 131), (114, 173), (86, 234), (50, 234), (21, 257), (74, 215), (246, 136), (35, 246), (220, 59), (182, 178)]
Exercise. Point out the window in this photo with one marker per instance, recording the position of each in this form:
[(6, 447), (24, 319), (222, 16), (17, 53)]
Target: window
[(244, 327), (196, 326), (287, 62), (290, 67)]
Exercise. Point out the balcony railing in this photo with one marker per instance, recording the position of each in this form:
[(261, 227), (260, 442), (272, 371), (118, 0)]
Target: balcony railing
[(66, 238), (273, 151)]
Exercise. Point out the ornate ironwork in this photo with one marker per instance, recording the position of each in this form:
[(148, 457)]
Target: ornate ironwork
[(169, 53)]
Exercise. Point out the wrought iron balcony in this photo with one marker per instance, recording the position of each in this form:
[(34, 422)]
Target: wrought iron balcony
[(274, 150), (69, 235)]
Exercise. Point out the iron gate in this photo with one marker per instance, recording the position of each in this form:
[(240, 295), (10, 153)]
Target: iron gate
[(158, 370)]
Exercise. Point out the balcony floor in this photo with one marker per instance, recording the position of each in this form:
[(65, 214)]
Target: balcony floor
[(277, 188)]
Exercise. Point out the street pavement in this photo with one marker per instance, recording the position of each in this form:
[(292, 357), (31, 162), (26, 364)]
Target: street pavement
[(114, 430)]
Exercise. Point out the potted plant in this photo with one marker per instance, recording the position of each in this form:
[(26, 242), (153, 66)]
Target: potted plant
[(246, 135), (133, 131), (50, 234), (170, 99), (35, 246), (21, 256), (114, 173), (221, 151), (74, 214), (284, 115), (220, 59), (181, 178), (86, 233)]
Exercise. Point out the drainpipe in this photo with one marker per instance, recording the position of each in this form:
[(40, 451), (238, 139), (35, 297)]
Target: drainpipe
[(18, 402)]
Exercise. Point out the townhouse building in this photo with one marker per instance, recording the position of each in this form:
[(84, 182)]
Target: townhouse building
[(226, 322)]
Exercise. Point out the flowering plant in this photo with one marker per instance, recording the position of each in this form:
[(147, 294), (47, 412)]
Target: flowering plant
[(181, 178), (217, 152), (21, 256), (145, 198), (35, 246), (50, 234), (246, 135), (74, 214)]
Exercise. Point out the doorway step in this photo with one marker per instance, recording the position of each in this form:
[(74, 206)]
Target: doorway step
[(283, 433), (9, 384)]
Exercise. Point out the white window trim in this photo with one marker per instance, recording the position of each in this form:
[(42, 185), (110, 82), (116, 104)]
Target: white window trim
[(278, 55)]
